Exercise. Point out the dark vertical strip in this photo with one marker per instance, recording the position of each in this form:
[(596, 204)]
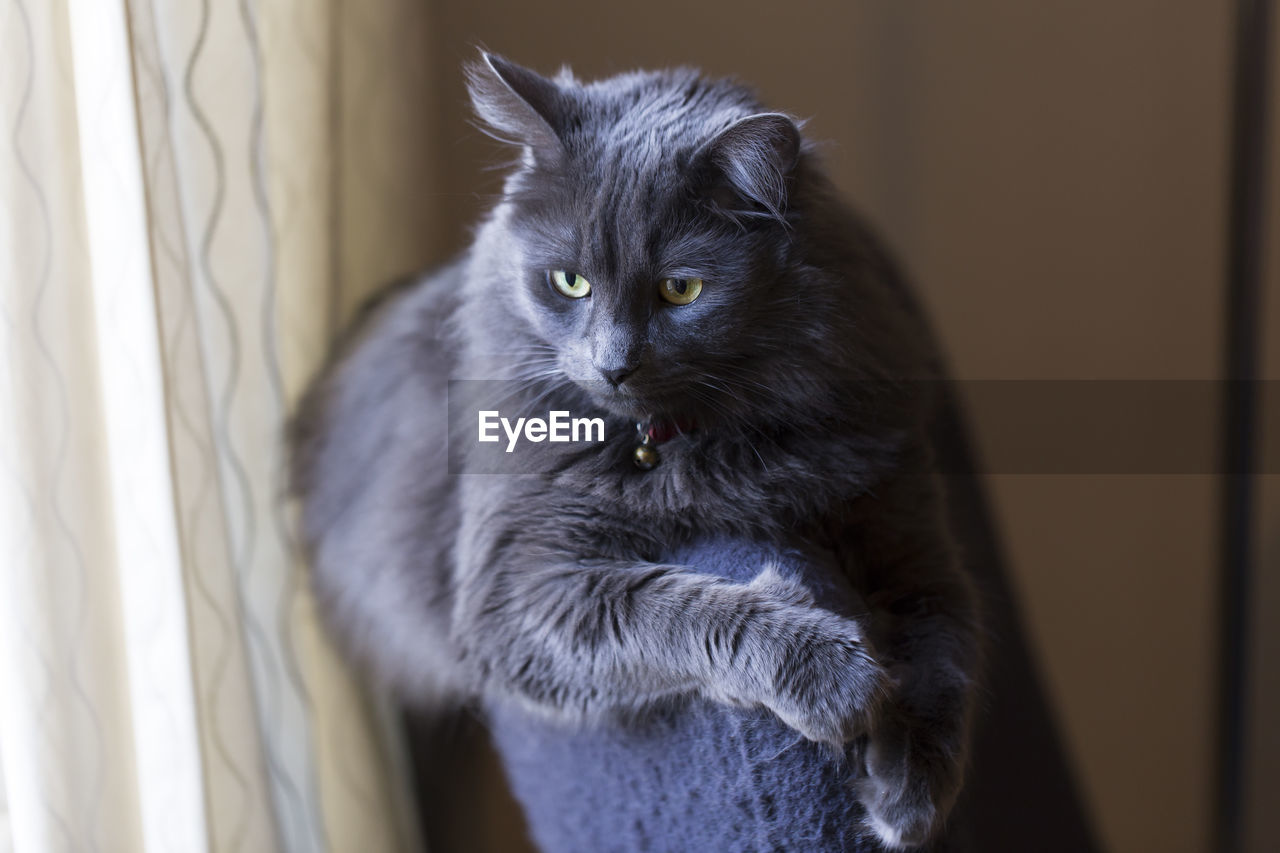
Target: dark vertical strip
[(1239, 437)]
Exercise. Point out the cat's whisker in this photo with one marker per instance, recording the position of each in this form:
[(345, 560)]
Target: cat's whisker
[(742, 375), (512, 385), (537, 399), (745, 423), (520, 386)]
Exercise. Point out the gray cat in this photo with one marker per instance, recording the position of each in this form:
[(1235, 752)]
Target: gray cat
[(668, 257)]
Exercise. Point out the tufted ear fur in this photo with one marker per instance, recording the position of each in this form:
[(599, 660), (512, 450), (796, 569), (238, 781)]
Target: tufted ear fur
[(755, 155), (519, 106)]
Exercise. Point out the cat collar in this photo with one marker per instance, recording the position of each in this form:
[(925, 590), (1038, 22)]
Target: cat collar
[(652, 434)]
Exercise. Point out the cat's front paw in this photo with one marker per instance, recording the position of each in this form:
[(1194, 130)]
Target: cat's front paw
[(828, 685), (781, 588), (910, 783)]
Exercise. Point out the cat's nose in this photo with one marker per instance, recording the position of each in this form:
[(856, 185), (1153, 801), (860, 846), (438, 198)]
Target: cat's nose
[(617, 375)]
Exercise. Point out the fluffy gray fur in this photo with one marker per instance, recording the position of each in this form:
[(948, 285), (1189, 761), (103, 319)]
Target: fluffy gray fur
[(799, 365)]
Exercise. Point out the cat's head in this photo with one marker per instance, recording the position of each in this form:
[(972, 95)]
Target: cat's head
[(652, 217)]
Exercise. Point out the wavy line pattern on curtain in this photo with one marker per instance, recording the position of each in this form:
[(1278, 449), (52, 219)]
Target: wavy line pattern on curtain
[(174, 258)]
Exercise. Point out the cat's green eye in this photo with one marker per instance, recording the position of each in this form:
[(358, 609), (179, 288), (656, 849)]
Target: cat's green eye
[(680, 291), (570, 284)]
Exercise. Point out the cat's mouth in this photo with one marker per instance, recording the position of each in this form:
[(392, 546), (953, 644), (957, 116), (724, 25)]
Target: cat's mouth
[(634, 401), (651, 404)]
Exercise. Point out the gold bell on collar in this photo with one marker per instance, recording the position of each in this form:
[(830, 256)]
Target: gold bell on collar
[(645, 455)]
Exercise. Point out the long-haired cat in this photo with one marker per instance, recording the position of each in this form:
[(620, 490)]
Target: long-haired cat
[(667, 256)]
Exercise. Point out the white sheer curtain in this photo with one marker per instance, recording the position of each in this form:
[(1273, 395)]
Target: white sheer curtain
[(185, 187)]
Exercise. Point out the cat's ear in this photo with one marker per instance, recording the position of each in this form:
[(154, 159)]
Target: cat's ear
[(756, 155), (519, 106)]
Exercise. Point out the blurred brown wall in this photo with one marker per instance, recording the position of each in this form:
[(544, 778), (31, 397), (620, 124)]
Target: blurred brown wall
[(1053, 174)]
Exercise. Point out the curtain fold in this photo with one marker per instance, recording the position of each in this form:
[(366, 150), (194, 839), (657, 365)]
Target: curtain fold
[(176, 249)]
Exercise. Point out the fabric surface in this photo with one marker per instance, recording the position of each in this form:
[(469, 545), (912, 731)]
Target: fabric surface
[(188, 191), (696, 777)]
